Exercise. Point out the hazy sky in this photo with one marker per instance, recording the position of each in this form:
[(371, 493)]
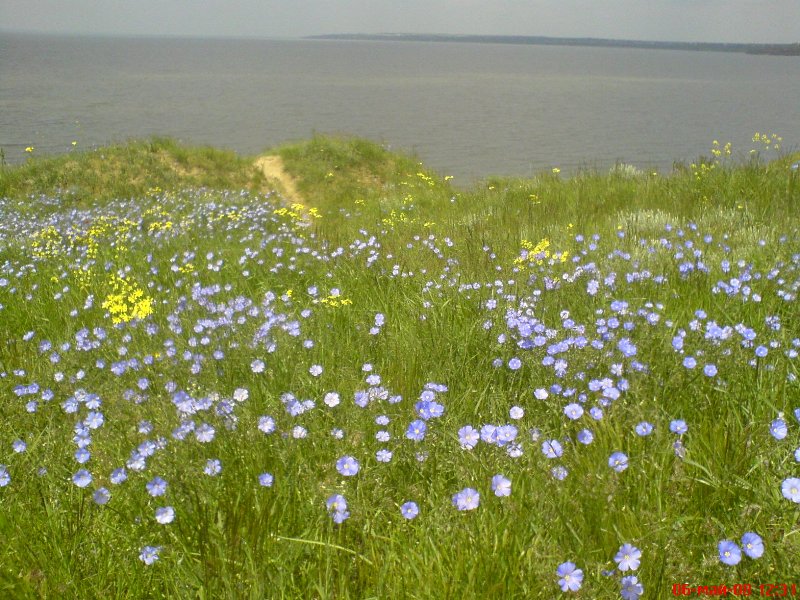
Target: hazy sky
[(775, 21)]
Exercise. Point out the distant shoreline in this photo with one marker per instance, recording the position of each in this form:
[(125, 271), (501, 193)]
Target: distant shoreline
[(768, 49)]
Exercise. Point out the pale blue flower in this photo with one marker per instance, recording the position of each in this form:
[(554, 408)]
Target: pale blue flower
[(467, 499), (628, 557), (570, 577), (552, 449), (409, 510), (501, 486), (149, 554), (729, 553), (753, 545), (82, 478), (165, 515), (347, 466), (618, 461)]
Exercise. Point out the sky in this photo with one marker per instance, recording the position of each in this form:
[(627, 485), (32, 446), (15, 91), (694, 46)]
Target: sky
[(759, 21)]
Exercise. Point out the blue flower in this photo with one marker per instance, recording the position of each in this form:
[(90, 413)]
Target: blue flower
[(573, 411), (118, 476), (779, 429), (501, 486), (729, 552), (570, 577), (101, 496), (265, 479), (149, 554), (205, 433), (409, 510), (585, 436), (467, 499), (753, 545), (165, 515), (552, 449), (678, 426), (347, 466), (628, 557), (618, 461), (644, 428), (468, 437), (791, 489), (156, 487), (213, 467), (82, 478), (337, 507), (336, 502), (416, 430), (710, 370), (631, 588), (266, 424)]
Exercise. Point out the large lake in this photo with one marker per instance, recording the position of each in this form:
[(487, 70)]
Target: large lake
[(469, 110)]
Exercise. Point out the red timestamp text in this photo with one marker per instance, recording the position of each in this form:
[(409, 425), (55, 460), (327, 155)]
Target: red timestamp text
[(763, 590)]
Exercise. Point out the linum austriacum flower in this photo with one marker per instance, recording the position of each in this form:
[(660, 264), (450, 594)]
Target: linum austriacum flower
[(467, 499), (337, 507), (628, 557), (570, 577)]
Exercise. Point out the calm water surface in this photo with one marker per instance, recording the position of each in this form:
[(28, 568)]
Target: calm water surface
[(469, 110)]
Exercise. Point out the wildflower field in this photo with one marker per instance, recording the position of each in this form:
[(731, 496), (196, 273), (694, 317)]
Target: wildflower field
[(581, 386)]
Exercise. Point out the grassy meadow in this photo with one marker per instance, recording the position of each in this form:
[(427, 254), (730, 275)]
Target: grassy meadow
[(402, 387)]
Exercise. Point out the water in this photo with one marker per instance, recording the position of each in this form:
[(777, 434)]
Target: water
[(468, 110)]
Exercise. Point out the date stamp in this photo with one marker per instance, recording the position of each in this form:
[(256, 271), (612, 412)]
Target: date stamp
[(762, 590)]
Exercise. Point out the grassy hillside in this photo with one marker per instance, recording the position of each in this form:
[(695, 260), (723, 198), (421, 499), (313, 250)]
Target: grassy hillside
[(398, 388)]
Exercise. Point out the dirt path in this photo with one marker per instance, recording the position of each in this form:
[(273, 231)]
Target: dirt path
[(272, 167)]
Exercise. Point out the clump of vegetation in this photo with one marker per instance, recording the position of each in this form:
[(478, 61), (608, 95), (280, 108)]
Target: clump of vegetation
[(396, 387)]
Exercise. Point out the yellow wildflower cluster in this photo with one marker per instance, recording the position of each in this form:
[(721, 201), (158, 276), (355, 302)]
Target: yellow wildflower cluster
[(703, 169), (127, 301), (334, 301), (767, 141), (47, 243), (536, 254), (396, 217), (427, 179), (162, 220), (719, 151), (298, 212), (100, 230), (157, 226)]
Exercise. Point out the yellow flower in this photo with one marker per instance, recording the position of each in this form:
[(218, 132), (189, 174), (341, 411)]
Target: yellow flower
[(29, 149), (556, 170)]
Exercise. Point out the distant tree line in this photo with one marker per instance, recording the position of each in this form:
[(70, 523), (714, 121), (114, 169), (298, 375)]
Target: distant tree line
[(775, 49)]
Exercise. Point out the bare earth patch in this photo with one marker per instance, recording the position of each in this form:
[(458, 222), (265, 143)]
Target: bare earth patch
[(272, 168)]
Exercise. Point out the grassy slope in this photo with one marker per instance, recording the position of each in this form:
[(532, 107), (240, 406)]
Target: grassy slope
[(232, 539), (129, 170)]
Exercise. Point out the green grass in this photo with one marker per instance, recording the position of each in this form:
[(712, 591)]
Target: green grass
[(398, 239), (128, 171)]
